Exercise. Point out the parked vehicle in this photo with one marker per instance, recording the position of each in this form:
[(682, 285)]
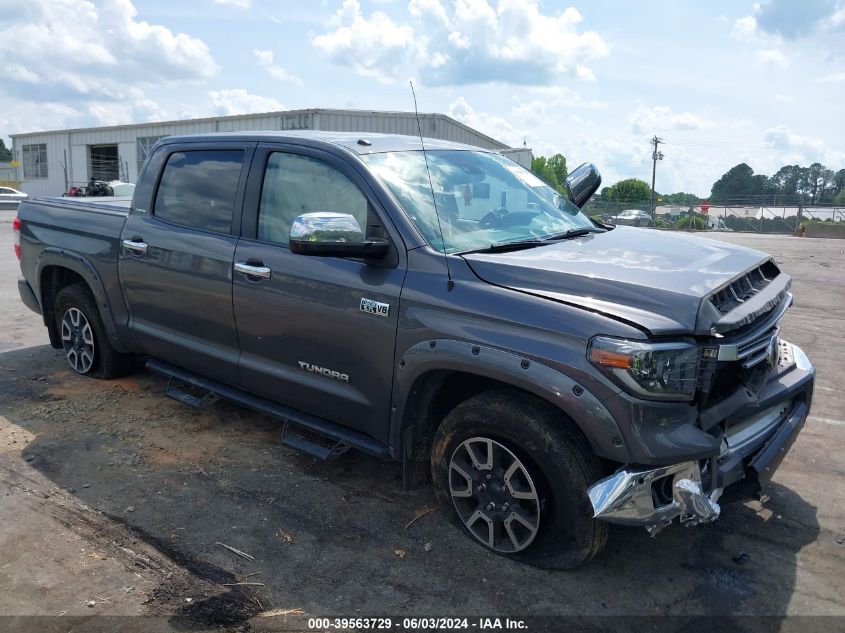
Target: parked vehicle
[(10, 198), (632, 217), (444, 309), (120, 188)]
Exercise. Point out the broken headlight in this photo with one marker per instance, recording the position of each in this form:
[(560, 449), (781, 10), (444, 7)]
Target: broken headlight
[(661, 371)]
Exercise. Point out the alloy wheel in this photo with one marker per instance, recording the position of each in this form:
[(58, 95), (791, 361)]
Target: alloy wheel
[(78, 340), (494, 495)]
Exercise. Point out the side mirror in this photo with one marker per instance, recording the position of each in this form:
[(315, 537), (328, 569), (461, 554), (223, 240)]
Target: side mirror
[(582, 183), (329, 234)]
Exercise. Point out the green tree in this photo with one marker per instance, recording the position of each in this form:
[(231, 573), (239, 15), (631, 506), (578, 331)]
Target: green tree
[(787, 180), (818, 183), (680, 198), (839, 182), (5, 153), (628, 190), (738, 184), (552, 170)]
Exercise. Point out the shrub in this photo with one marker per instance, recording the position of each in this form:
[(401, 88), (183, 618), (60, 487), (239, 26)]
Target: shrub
[(692, 222)]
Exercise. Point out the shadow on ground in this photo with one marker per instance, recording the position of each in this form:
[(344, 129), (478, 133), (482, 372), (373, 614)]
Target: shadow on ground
[(332, 538)]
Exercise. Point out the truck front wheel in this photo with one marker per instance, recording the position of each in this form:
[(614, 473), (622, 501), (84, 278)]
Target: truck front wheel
[(83, 335), (514, 476)]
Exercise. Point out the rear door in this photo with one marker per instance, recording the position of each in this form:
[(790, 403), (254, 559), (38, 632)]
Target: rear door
[(176, 258), (305, 340)]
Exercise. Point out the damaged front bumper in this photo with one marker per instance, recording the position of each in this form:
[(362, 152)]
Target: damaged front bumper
[(653, 497), (753, 446)]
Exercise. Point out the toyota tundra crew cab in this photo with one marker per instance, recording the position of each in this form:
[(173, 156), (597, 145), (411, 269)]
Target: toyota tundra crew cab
[(438, 305)]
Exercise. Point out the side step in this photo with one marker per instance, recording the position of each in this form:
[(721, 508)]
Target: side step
[(327, 452), (181, 391), (343, 438)]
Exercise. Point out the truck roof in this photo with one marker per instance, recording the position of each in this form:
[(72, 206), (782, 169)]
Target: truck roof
[(358, 142)]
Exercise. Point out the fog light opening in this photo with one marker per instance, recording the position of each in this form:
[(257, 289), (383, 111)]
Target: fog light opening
[(661, 491)]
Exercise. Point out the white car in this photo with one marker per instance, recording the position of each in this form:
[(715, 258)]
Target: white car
[(632, 217), (10, 198), (121, 188)]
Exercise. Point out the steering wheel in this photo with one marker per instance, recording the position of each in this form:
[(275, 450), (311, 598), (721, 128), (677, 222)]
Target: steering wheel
[(493, 219)]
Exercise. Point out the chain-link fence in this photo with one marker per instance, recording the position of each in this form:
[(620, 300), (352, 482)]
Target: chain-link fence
[(750, 216)]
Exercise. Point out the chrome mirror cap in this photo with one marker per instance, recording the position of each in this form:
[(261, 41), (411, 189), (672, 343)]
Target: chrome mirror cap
[(326, 227)]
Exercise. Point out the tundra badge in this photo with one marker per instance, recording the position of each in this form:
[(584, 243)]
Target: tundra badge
[(374, 307), (324, 371)]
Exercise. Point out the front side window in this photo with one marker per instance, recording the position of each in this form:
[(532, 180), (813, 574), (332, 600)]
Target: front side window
[(294, 185), (198, 189), (34, 160), (482, 198)]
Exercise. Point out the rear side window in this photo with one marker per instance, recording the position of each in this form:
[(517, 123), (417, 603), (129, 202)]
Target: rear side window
[(198, 189)]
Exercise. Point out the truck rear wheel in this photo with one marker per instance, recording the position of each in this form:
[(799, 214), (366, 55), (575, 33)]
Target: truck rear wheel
[(83, 335), (510, 472)]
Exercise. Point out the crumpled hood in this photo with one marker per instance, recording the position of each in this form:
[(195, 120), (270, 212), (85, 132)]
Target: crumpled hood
[(654, 279)]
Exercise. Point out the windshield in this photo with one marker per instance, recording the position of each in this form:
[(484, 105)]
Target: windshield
[(483, 199)]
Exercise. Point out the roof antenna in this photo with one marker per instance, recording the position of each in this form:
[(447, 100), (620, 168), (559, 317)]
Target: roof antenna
[(450, 284)]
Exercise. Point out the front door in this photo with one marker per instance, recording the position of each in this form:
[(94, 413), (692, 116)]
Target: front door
[(176, 260), (306, 340)]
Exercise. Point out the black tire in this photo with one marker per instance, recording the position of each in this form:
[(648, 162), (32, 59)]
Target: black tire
[(106, 362), (558, 459)]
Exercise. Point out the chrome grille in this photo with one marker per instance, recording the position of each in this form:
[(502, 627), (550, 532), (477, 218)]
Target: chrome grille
[(745, 287), (753, 349)]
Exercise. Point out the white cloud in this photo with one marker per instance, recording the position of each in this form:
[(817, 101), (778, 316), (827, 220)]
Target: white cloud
[(497, 127), (464, 42), (832, 78), (792, 19), (375, 46), (76, 49), (744, 27), (645, 120), (784, 99), (267, 62), (772, 57), (237, 4), (239, 101), (797, 148)]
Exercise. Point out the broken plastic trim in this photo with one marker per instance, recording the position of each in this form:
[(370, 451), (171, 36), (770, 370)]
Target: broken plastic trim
[(631, 497)]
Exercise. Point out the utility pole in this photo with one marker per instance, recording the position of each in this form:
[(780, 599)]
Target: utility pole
[(655, 156)]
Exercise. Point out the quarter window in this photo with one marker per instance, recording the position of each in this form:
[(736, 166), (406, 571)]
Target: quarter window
[(34, 160), (198, 189), (294, 185)]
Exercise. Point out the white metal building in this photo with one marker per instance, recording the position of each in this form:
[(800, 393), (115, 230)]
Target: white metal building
[(50, 162)]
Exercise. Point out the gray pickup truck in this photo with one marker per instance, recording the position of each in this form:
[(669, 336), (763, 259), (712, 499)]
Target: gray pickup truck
[(440, 306)]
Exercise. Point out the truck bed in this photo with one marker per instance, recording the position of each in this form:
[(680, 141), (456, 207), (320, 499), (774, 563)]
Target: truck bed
[(79, 234)]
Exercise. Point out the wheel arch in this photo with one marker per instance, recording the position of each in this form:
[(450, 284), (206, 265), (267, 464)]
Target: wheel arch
[(58, 269), (435, 376)]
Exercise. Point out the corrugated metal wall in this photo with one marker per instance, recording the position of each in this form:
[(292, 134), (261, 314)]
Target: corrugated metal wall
[(76, 142)]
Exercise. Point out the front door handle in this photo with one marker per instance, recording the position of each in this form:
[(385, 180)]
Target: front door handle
[(252, 270), (135, 245)]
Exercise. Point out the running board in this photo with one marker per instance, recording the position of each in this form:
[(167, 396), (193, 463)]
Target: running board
[(181, 392), (344, 438), (322, 450)]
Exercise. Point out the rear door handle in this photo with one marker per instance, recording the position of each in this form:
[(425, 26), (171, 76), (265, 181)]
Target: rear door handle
[(252, 270), (135, 245)]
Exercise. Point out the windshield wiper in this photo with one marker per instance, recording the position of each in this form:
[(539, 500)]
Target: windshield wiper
[(507, 246), (572, 233)]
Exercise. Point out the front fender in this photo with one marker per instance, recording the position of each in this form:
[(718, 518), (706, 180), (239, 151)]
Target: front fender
[(594, 420)]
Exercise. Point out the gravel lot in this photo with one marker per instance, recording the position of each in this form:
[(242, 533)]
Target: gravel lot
[(114, 499)]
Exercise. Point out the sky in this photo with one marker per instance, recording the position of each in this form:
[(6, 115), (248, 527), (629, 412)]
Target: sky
[(722, 82)]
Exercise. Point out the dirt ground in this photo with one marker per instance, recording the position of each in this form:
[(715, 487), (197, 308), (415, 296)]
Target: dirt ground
[(114, 500)]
